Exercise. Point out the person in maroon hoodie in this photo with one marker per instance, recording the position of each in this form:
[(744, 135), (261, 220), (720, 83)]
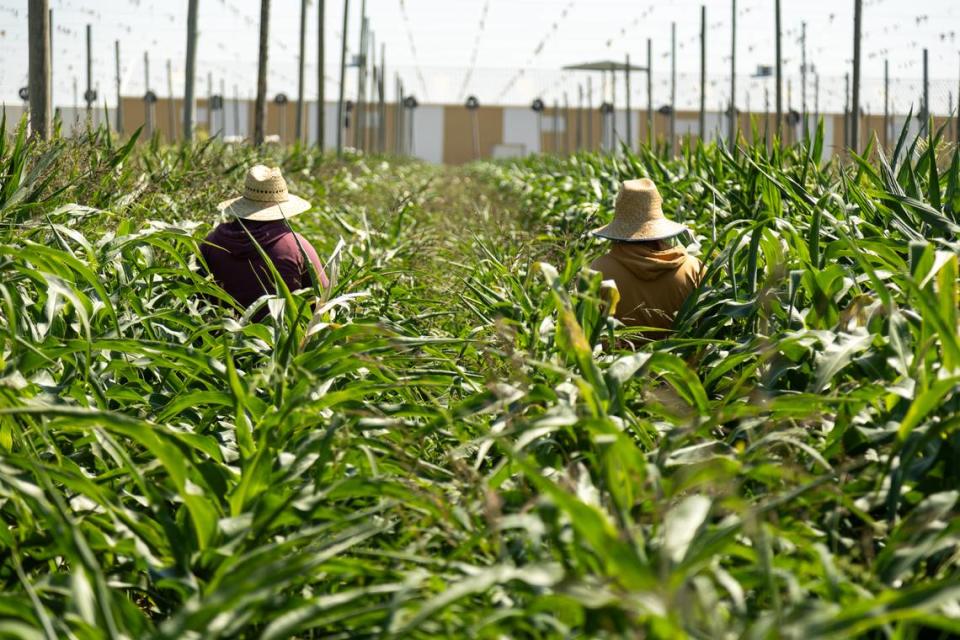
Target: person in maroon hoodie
[(259, 219)]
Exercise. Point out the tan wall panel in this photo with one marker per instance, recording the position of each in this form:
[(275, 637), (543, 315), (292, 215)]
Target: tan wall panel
[(458, 133)]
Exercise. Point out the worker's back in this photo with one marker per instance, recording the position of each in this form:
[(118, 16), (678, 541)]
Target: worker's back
[(653, 282)]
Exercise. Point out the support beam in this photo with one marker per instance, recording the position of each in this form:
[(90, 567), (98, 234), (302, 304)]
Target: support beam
[(260, 110), (88, 96), (855, 110), (321, 74), (926, 92), (779, 124), (886, 105), (189, 91), (301, 63), (650, 135), (732, 126), (627, 73), (673, 87), (703, 73), (116, 48), (343, 80)]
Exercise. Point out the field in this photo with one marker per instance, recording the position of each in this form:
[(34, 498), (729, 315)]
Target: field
[(453, 440)]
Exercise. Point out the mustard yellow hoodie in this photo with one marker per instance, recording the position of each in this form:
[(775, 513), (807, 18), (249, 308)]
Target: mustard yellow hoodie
[(653, 285)]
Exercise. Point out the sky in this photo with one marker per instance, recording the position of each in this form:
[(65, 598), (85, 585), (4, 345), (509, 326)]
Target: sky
[(502, 51)]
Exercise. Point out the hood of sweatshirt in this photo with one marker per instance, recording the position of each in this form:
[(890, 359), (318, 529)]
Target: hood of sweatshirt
[(234, 238), (645, 263)]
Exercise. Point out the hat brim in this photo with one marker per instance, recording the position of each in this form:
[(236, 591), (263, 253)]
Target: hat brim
[(264, 211), (657, 230)]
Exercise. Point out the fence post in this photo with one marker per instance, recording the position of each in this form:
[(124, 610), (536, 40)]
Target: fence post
[(88, 96), (703, 72), (39, 68), (629, 106), (803, 78), (732, 117), (779, 124), (119, 99), (926, 92), (886, 104), (650, 135), (590, 113), (147, 106), (673, 87)]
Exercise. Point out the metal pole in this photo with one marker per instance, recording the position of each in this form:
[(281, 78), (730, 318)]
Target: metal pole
[(260, 113), (398, 126), (590, 113), (957, 127), (540, 131), (39, 68), (732, 127), (475, 122), (189, 97), (321, 75), (629, 106), (803, 77), (556, 127), (343, 77), (361, 80), (816, 97), (703, 72), (116, 47), (566, 124), (209, 103), (855, 129), (779, 123), (579, 117), (846, 110), (171, 106), (886, 104), (300, 71), (613, 114), (147, 107), (236, 110), (926, 92), (673, 86), (53, 101), (89, 94), (649, 92)]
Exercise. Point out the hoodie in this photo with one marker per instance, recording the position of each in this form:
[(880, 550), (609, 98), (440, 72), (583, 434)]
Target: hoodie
[(239, 268), (653, 285)]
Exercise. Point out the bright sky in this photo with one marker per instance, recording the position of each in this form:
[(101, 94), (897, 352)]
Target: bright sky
[(503, 51)]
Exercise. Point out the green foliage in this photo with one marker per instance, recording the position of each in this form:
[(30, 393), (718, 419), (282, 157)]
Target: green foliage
[(453, 440)]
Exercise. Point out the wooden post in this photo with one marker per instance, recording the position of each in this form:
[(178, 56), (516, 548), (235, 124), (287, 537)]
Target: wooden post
[(148, 109), (189, 92), (171, 110), (38, 18), (88, 96), (650, 92), (855, 117), (343, 79), (732, 118), (779, 123), (300, 77), (886, 104), (629, 106), (260, 110), (703, 72), (673, 87), (116, 46)]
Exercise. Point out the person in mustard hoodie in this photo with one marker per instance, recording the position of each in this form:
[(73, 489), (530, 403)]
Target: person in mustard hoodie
[(654, 274)]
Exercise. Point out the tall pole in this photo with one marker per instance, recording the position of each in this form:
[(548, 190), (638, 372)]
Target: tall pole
[(613, 114), (855, 117), (886, 104), (209, 103), (260, 110), (926, 92), (88, 96), (189, 95), (650, 136), (673, 86), (957, 128), (703, 72), (300, 76), (629, 106), (383, 99), (803, 77), (566, 124), (223, 107), (343, 79), (816, 97), (38, 19), (321, 75), (50, 29), (732, 127), (590, 113), (579, 117), (116, 47), (556, 127), (846, 110), (148, 108), (358, 119), (236, 110), (171, 110), (779, 70)]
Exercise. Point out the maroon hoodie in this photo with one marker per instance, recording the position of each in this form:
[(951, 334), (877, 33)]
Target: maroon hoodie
[(239, 269)]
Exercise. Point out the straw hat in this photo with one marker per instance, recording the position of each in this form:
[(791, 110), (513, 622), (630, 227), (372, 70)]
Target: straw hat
[(639, 215), (265, 197)]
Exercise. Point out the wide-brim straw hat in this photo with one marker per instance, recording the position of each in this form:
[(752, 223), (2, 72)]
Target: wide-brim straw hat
[(638, 216), (265, 197)]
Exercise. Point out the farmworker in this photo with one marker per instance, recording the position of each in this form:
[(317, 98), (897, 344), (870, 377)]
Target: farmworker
[(654, 274), (259, 218)]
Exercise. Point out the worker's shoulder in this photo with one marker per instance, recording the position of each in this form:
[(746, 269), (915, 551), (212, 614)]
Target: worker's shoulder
[(605, 264), (691, 269)]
